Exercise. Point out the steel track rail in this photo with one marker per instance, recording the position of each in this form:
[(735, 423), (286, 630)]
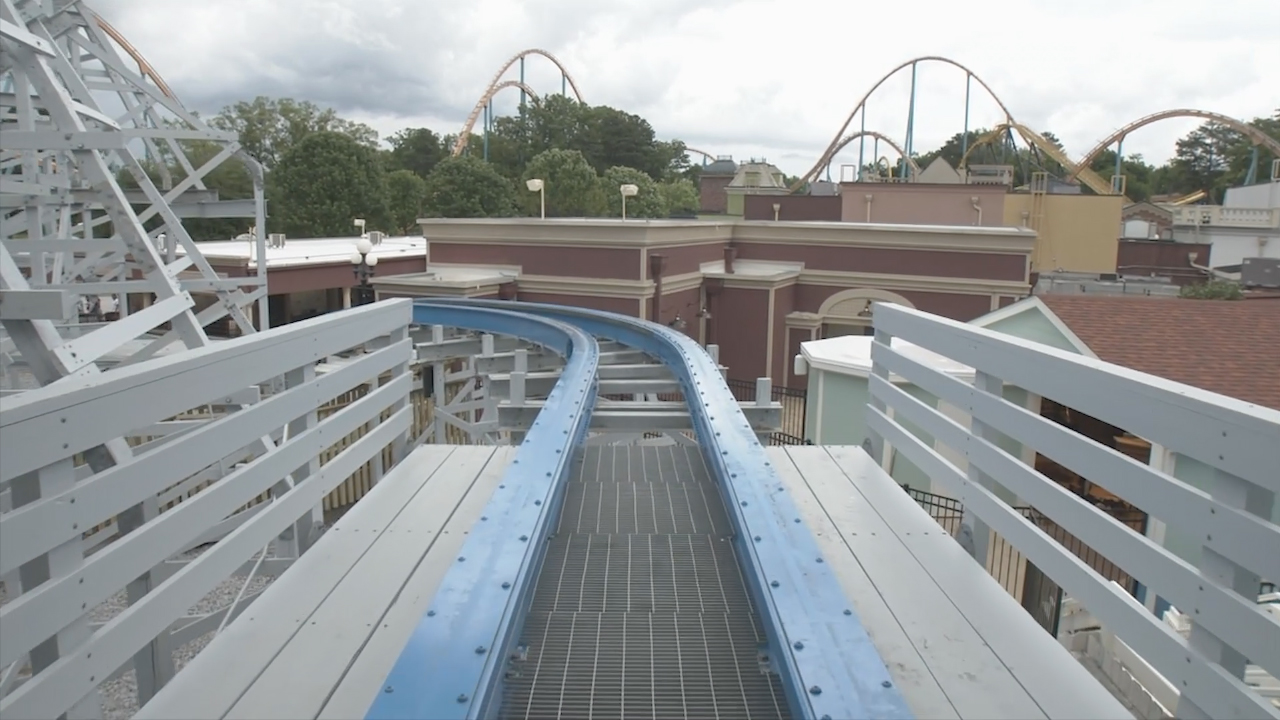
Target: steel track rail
[(461, 643), (817, 644)]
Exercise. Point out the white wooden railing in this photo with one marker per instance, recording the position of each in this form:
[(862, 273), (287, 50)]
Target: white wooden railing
[(1232, 516), (1227, 216), (67, 468)]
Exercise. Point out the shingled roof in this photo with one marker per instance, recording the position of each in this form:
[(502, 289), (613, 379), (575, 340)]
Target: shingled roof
[(1230, 347)]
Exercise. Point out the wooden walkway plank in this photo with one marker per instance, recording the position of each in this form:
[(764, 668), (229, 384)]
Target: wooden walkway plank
[(1061, 687), (313, 662), (943, 653), (363, 679)]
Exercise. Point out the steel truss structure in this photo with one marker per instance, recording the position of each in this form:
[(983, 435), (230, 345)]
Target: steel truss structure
[(99, 165), (502, 384), (81, 111)]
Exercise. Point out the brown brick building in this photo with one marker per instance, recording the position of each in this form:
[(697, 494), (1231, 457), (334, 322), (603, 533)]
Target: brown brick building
[(757, 289)]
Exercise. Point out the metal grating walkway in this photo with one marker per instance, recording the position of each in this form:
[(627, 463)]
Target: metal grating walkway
[(640, 610)]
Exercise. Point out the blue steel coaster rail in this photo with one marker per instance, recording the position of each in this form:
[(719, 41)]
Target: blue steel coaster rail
[(820, 649), (451, 666)]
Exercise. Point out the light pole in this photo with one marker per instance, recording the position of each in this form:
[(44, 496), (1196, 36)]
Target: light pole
[(536, 185), (362, 265), (627, 190)]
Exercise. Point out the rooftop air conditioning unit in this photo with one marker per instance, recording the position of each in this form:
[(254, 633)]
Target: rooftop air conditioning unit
[(275, 240), (375, 237)]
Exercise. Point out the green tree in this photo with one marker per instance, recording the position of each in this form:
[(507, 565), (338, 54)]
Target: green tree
[(269, 127), (466, 187), (615, 138), (572, 186), (406, 199), (415, 149), (1212, 290), (680, 196), (606, 137), (648, 201), (324, 182), (1140, 178), (673, 157)]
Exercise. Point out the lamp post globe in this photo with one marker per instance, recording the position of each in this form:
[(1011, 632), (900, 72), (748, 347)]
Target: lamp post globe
[(362, 264), (538, 186), (627, 190)]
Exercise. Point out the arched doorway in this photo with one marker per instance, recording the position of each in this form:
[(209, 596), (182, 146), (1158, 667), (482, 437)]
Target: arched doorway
[(848, 312)]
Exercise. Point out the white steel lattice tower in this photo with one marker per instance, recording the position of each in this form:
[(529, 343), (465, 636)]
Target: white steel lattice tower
[(79, 107)]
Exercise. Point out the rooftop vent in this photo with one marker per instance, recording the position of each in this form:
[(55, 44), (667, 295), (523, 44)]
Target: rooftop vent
[(375, 237), (275, 240)]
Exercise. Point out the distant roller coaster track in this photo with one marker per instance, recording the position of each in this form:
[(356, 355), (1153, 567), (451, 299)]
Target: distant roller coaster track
[(703, 153), (1257, 136), (844, 141), (836, 145), (1093, 180), (1078, 171), (498, 84), (144, 67)]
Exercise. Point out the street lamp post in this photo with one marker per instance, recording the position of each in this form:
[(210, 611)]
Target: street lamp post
[(627, 190), (362, 264), (536, 185)]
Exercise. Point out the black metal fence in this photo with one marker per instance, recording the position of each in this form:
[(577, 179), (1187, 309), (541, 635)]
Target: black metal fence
[(793, 401), (1039, 595)]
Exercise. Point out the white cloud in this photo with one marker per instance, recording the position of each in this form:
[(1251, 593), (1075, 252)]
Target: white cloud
[(754, 77)]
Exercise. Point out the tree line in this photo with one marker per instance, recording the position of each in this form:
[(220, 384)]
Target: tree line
[(1212, 158), (322, 170)]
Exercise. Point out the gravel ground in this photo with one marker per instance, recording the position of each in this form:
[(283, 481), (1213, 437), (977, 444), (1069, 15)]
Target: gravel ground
[(119, 696)]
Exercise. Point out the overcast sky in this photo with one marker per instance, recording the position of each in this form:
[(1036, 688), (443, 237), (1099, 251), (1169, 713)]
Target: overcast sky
[(771, 78)]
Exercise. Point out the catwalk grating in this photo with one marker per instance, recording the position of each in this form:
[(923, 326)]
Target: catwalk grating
[(640, 609)]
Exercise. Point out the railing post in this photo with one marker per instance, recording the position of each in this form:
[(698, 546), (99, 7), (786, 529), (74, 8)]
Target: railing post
[(64, 560), (1238, 493), (399, 446), (437, 421), (880, 449), (975, 535), (764, 398), (518, 393), (1162, 460), (764, 392), (296, 538), (518, 375)]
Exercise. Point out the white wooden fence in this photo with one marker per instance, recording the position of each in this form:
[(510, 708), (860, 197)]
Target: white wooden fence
[(51, 657), (1232, 516)]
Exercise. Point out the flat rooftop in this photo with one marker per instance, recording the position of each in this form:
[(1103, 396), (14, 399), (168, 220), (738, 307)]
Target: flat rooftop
[(309, 251)]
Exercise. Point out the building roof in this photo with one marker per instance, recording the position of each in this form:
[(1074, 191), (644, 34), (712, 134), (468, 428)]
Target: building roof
[(851, 355), (1224, 346), (309, 251), (721, 166)]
